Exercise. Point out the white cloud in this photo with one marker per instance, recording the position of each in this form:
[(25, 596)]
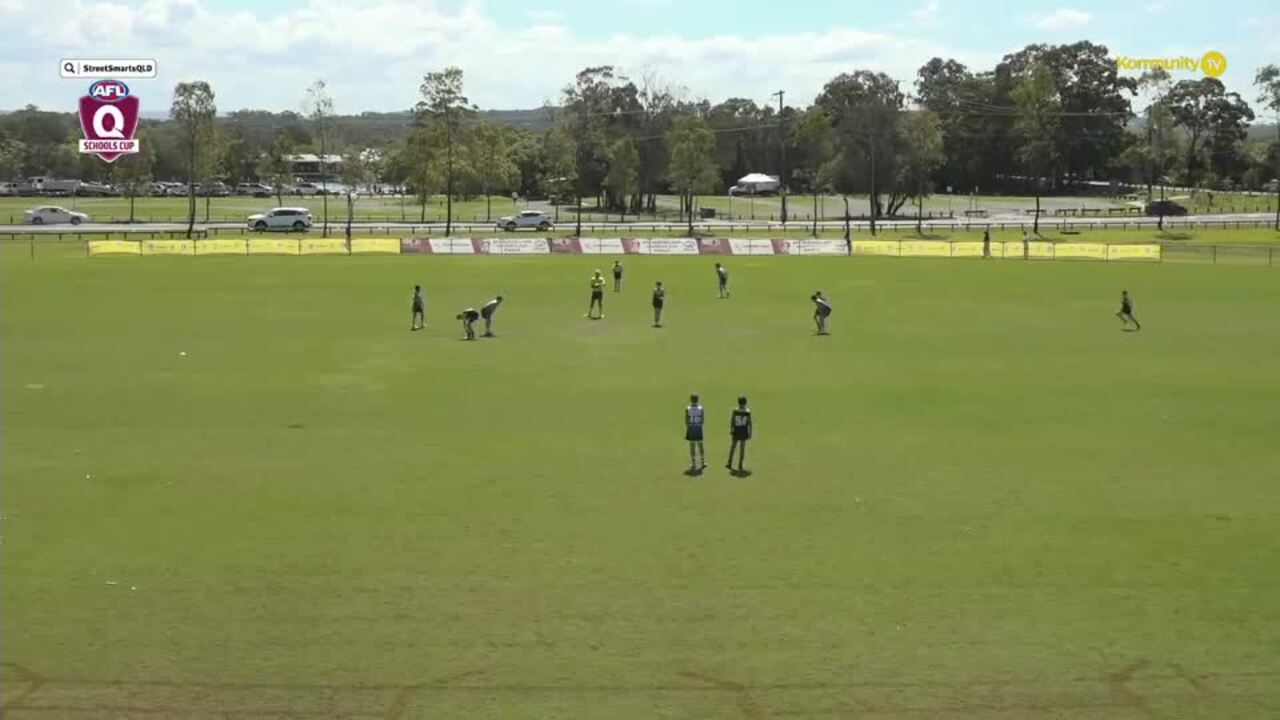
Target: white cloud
[(927, 13), (266, 61), (1155, 8), (1064, 19)]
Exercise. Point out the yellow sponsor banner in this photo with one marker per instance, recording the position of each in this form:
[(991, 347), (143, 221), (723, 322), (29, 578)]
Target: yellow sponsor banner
[(222, 247), (273, 246), (925, 248), (323, 246), (973, 249), (1081, 251), (1133, 252), (375, 245), (115, 247), (1008, 250), (875, 247), (168, 247), (1040, 250)]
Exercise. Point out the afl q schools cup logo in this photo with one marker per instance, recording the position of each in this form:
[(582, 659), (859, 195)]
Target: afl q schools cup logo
[(109, 119)]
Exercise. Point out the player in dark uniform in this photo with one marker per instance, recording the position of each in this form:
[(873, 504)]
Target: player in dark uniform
[(486, 311), (659, 299), (693, 416), (740, 432), (1126, 311), (722, 276), (821, 311), (617, 276), (468, 317), (597, 295), (419, 309)]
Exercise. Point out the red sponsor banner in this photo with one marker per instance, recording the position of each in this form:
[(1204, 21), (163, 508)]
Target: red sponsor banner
[(415, 245), (781, 247), (631, 246), (714, 246), (567, 246)]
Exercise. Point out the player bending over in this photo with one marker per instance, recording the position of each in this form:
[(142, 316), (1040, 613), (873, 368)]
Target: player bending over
[(487, 311), (468, 317), (419, 309), (722, 276), (617, 276), (821, 311), (740, 433), (659, 299), (597, 295), (693, 433), (1126, 311)]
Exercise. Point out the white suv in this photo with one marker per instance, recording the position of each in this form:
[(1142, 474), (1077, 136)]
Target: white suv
[(294, 218), (527, 219), (50, 215)]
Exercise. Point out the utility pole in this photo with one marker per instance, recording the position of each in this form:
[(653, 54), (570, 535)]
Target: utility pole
[(782, 143)]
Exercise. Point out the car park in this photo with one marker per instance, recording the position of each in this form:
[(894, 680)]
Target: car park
[(53, 215), (285, 218)]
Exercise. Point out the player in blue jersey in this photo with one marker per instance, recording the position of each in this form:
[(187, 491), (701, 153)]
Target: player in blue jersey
[(722, 277), (659, 301), (821, 311), (419, 309), (740, 430), (1126, 311), (693, 416), (468, 318)]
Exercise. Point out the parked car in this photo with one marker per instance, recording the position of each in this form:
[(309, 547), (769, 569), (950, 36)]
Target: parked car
[(305, 188), (217, 189), (531, 219), (1164, 207), (53, 215), (257, 190), (7, 189), (294, 218), (96, 189)]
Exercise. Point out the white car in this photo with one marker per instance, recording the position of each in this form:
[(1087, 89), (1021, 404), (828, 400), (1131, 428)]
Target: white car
[(52, 215), (294, 218), (532, 219)]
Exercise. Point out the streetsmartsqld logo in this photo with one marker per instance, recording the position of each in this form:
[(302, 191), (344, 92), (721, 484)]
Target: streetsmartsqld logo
[(1212, 63), (109, 119)]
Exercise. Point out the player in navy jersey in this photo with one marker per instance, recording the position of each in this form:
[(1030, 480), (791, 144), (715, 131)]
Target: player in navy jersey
[(659, 300), (1126, 311), (468, 318), (821, 311), (740, 432), (419, 309), (722, 277), (597, 296), (693, 416), (487, 311), (617, 276)]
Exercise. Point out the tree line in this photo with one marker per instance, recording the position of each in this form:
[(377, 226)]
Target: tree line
[(1045, 119)]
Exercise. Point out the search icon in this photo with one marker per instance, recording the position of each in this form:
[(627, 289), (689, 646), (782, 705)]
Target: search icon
[(69, 68)]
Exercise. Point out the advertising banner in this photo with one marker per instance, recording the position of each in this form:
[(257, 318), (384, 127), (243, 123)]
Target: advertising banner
[(925, 248), (222, 247), (512, 246), (115, 247), (323, 246), (272, 246), (168, 247), (1133, 252), (750, 246), (375, 245), (876, 247), (1080, 251)]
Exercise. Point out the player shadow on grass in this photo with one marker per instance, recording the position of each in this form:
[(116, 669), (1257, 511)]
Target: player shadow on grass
[(694, 472), (741, 473)]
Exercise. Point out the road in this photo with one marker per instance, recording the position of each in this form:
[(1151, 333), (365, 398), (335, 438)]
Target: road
[(401, 228)]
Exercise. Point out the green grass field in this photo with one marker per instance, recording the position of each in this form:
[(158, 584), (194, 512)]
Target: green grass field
[(978, 498)]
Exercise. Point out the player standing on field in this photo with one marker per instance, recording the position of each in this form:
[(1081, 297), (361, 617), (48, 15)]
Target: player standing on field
[(1126, 311), (486, 311), (821, 311), (693, 433), (659, 299), (739, 432), (419, 309), (597, 295), (722, 276), (468, 317), (617, 276)]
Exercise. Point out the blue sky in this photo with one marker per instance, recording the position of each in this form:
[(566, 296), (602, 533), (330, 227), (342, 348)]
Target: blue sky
[(372, 53)]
